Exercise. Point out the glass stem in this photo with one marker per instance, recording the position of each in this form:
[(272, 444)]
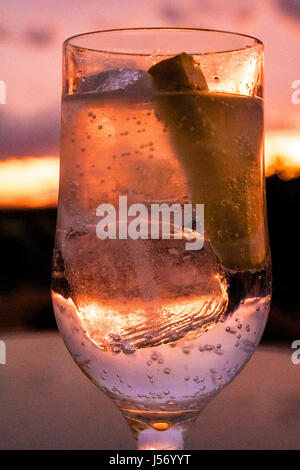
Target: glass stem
[(159, 431), (171, 439)]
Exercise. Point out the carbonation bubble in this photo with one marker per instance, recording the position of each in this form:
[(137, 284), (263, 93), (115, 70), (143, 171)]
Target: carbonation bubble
[(154, 356), (129, 349), (186, 349)]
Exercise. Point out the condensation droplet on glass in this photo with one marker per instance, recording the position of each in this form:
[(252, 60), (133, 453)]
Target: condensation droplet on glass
[(186, 350), (129, 349), (171, 403)]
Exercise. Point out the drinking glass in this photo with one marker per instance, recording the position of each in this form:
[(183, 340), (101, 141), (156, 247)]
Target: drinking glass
[(161, 267)]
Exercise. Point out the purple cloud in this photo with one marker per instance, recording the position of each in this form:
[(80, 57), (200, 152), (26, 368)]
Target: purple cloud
[(36, 136), (39, 36), (171, 13), (291, 7), (4, 33)]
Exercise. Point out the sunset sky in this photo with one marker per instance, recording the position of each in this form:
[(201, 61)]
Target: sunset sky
[(32, 32)]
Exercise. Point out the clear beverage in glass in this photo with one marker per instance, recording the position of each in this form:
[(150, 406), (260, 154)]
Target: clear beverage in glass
[(153, 118)]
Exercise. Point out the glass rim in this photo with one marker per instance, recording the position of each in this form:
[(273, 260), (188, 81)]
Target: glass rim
[(255, 41)]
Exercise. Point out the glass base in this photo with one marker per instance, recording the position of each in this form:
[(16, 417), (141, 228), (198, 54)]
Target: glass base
[(171, 439), (160, 433)]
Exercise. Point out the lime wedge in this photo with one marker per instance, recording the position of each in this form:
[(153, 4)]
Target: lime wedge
[(178, 74), (218, 139)]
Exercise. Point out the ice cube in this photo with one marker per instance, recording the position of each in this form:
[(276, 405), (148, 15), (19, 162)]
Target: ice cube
[(129, 79)]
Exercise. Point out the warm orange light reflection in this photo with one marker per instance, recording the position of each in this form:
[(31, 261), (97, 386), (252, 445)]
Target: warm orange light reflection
[(32, 182), (29, 182), (99, 320), (283, 154)]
